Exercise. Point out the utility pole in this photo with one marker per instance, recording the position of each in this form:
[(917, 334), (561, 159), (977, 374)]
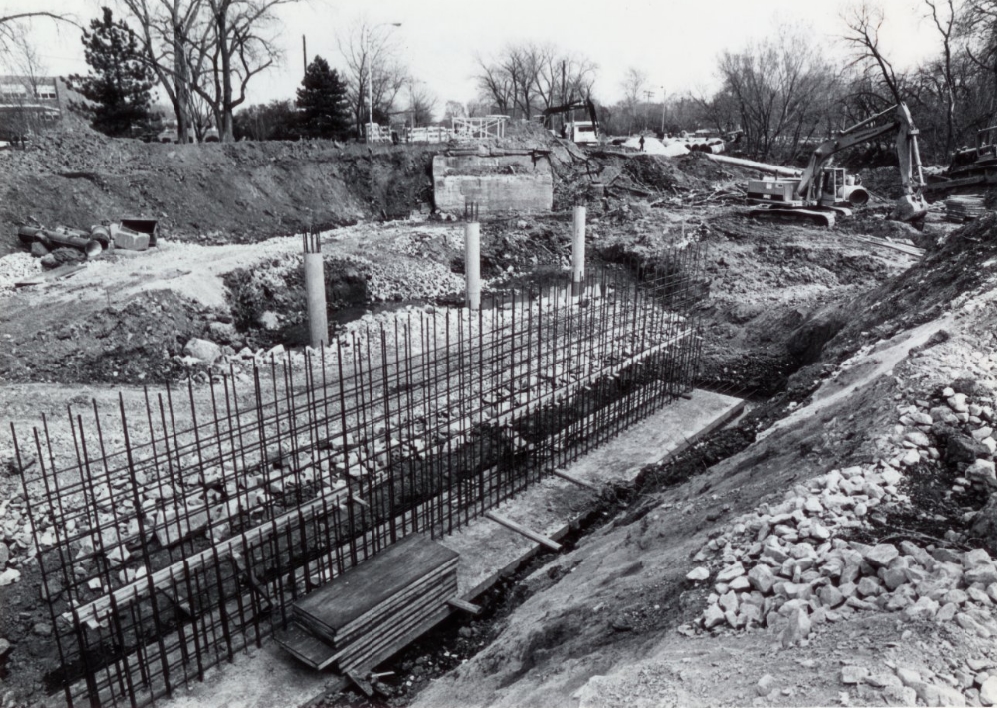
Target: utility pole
[(662, 111), (304, 52)]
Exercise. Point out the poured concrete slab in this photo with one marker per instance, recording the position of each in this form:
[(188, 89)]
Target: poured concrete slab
[(555, 506)]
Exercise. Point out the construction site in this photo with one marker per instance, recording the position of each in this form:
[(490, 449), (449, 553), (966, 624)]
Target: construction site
[(497, 418)]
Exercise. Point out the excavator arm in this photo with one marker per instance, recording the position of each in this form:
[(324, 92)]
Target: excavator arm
[(585, 105), (909, 206)]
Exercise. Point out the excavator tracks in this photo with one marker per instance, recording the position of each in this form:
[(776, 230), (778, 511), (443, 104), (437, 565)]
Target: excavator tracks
[(820, 218)]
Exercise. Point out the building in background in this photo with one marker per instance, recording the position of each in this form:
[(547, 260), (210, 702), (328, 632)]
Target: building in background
[(30, 104)]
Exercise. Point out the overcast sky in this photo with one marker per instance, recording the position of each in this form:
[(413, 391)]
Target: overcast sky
[(674, 42)]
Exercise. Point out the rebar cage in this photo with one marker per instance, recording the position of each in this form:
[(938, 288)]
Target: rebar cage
[(190, 539)]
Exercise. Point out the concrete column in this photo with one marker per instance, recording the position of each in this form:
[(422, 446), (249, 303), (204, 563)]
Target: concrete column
[(318, 323), (578, 252), (472, 264)]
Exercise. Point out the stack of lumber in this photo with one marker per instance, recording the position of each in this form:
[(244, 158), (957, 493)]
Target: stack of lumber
[(964, 207), (373, 610)]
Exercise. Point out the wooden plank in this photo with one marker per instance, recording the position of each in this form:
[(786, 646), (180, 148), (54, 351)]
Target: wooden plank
[(386, 650), (369, 584), (409, 617), (306, 647), (523, 531), (342, 639), (361, 683), (574, 480), (902, 247), (375, 612), (349, 633), (60, 273), (469, 607)]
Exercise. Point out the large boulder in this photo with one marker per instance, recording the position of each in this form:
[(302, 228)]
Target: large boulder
[(962, 448), (984, 525), (203, 350)]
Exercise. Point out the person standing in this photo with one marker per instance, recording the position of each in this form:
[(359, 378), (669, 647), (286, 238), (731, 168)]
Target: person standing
[(642, 143)]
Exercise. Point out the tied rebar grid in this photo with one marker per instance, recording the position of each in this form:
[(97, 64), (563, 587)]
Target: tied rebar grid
[(169, 554)]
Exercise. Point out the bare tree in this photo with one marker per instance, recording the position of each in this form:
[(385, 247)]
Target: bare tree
[(205, 52), (783, 89), (945, 21), (13, 26), (864, 22), (240, 48), (422, 105), (495, 85), (454, 109), (634, 84), (563, 79), (525, 78), (979, 25), (170, 29), (369, 53)]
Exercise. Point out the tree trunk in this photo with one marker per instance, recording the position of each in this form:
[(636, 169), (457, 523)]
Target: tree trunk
[(225, 47), (182, 102)]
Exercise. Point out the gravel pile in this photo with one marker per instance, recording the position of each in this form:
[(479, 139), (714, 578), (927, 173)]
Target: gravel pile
[(17, 267), (789, 566)]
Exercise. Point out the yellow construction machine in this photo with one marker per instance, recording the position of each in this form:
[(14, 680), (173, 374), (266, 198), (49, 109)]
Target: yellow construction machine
[(821, 190)]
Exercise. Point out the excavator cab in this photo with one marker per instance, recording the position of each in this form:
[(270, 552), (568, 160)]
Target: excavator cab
[(840, 189)]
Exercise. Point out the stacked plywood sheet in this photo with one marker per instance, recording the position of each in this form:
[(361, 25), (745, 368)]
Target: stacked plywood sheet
[(370, 612), (964, 207)]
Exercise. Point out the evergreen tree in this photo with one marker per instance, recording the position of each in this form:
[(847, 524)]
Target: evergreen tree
[(119, 81), (322, 102)]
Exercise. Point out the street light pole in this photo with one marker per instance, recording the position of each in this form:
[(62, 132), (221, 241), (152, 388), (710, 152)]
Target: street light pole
[(370, 76)]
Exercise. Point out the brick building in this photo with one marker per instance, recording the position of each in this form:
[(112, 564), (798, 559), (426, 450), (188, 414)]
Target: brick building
[(30, 103)]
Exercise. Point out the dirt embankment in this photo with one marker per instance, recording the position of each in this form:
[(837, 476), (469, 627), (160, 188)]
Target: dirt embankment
[(211, 193)]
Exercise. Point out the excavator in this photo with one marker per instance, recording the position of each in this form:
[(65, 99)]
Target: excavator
[(822, 191), (579, 132)]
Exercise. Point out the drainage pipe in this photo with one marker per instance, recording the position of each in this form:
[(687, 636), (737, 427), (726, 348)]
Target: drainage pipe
[(51, 239), (472, 264), (318, 323)]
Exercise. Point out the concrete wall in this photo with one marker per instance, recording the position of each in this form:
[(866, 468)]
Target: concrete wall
[(500, 184)]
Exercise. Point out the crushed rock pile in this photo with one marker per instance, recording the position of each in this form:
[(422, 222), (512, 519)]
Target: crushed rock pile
[(791, 566), (17, 267)]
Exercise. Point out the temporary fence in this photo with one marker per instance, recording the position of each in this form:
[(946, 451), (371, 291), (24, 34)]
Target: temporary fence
[(225, 503)]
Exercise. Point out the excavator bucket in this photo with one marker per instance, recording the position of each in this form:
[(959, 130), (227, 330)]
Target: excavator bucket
[(910, 207)]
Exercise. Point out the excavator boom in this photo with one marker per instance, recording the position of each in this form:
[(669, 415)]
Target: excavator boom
[(810, 190)]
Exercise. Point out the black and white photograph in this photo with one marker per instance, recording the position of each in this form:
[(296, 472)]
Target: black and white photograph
[(448, 354)]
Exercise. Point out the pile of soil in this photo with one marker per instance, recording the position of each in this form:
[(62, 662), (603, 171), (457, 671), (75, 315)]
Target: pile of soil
[(132, 342), (210, 193)]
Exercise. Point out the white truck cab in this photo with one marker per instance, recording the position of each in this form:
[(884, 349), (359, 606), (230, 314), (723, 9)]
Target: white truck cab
[(582, 132)]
